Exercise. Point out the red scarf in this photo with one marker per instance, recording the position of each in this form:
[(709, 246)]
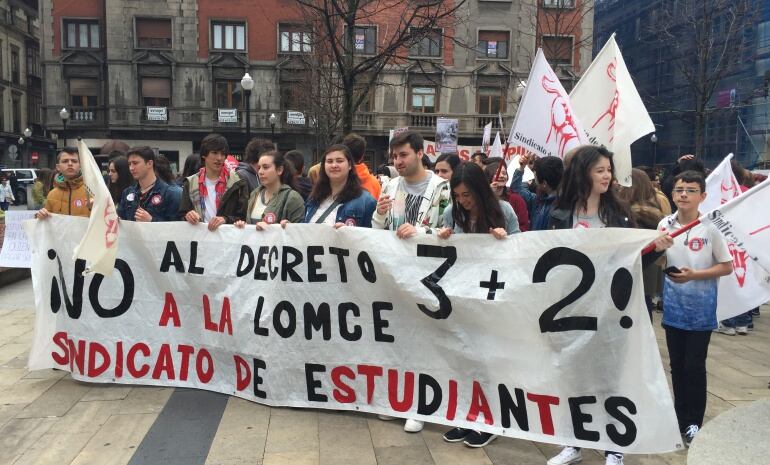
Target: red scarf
[(220, 188)]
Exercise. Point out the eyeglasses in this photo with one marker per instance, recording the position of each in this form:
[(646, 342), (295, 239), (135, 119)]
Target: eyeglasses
[(688, 191)]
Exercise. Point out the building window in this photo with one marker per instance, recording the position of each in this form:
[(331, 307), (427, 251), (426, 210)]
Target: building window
[(293, 39), (291, 96), (228, 36), (2, 71), (559, 3), (364, 40), (428, 46), (33, 62), (228, 94), (156, 92), (15, 72), (81, 34), (493, 44), (490, 100), (153, 33), (558, 49), (16, 113), (424, 99), (84, 93), (34, 106), (367, 104)]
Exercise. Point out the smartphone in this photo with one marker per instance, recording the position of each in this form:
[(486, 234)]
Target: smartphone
[(672, 269)]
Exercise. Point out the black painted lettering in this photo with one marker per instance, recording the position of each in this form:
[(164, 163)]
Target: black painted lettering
[(580, 418), (317, 320), (381, 323), (128, 292), (613, 406), (259, 365), (343, 310), (285, 307), (259, 330), (508, 407), (273, 255), (171, 258), (313, 265), (366, 266), (341, 254), (287, 267), (248, 254), (313, 384), (423, 406), (193, 269), (259, 270)]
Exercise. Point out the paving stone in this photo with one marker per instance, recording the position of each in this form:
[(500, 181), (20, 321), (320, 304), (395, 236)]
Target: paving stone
[(54, 449), (446, 453), (86, 417), (12, 350), (242, 434), (106, 392), (9, 376), (17, 435), (25, 391), (116, 441), (412, 455), (144, 399), (56, 401), (391, 434), (344, 439), (9, 411), (291, 458), (508, 451), (737, 437), (293, 431), (46, 374)]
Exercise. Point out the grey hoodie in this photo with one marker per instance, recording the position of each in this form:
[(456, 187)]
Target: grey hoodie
[(247, 173)]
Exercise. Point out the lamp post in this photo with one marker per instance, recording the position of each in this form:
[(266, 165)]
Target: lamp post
[(654, 140), (27, 135), (247, 83), (64, 115), (21, 144), (273, 120)]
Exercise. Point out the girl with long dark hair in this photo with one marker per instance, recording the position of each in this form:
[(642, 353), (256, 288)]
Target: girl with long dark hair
[(337, 198), (275, 199), (587, 200), (445, 165), (500, 188), (475, 209), (120, 177)]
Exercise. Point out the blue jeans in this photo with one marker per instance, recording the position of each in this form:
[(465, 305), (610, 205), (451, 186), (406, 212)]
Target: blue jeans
[(740, 320)]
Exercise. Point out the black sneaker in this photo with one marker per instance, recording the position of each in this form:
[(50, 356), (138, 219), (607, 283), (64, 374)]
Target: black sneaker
[(477, 439), (456, 434), (690, 433)]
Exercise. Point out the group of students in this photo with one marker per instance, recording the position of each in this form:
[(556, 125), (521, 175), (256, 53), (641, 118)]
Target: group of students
[(458, 198)]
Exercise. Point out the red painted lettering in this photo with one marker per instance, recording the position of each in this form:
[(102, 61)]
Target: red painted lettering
[(170, 311), (131, 360), (95, 349), (242, 373), (60, 340), (370, 371), (544, 407), (343, 393), (406, 403), (479, 404)]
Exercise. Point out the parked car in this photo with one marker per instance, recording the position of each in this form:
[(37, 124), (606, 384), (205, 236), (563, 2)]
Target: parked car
[(24, 177)]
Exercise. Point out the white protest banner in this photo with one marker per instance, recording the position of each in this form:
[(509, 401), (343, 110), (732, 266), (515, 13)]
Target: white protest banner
[(607, 102), (487, 137), (446, 134), (545, 122), (15, 252), (541, 336), (745, 223), (721, 186), (99, 244)]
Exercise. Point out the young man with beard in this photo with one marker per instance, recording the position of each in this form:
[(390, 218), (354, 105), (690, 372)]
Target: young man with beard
[(412, 203), (68, 195), (150, 198), (213, 195)]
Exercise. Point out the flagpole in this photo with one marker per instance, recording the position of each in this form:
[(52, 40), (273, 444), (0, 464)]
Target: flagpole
[(679, 231), (500, 167)]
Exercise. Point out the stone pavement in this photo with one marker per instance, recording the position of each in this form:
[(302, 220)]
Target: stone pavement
[(47, 418)]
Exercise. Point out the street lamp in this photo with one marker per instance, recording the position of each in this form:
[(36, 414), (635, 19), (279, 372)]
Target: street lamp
[(28, 134), (247, 83), (64, 115), (273, 120), (654, 140)]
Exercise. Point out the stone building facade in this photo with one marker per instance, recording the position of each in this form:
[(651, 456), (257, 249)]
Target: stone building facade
[(165, 74)]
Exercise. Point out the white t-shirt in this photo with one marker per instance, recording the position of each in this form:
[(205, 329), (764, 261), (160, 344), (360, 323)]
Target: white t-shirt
[(210, 201), (331, 218), (692, 305), (259, 210)]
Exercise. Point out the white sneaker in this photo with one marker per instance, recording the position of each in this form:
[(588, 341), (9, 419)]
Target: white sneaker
[(567, 456), (613, 459), (413, 426), (727, 331), (742, 330)]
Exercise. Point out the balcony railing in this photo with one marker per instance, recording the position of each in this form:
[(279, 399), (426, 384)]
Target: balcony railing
[(422, 121), (79, 115)]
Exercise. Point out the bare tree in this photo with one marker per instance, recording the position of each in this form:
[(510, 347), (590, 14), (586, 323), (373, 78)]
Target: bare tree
[(704, 40), (560, 32), (346, 67)]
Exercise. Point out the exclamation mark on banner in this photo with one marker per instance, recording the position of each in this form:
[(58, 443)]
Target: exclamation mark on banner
[(620, 290)]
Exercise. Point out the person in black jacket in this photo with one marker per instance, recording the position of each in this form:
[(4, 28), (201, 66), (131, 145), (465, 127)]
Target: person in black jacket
[(587, 200)]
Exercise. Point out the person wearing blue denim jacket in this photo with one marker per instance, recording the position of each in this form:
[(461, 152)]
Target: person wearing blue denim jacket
[(548, 173), (149, 198), (338, 197)]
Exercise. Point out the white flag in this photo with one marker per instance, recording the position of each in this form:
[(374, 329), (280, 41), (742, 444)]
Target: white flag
[(545, 122), (607, 102), (497, 147), (99, 245), (721, 186), (744, 221), (487, 136)]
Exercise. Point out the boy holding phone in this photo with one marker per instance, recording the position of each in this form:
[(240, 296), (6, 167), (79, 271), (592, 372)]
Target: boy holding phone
[(695, 262)]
